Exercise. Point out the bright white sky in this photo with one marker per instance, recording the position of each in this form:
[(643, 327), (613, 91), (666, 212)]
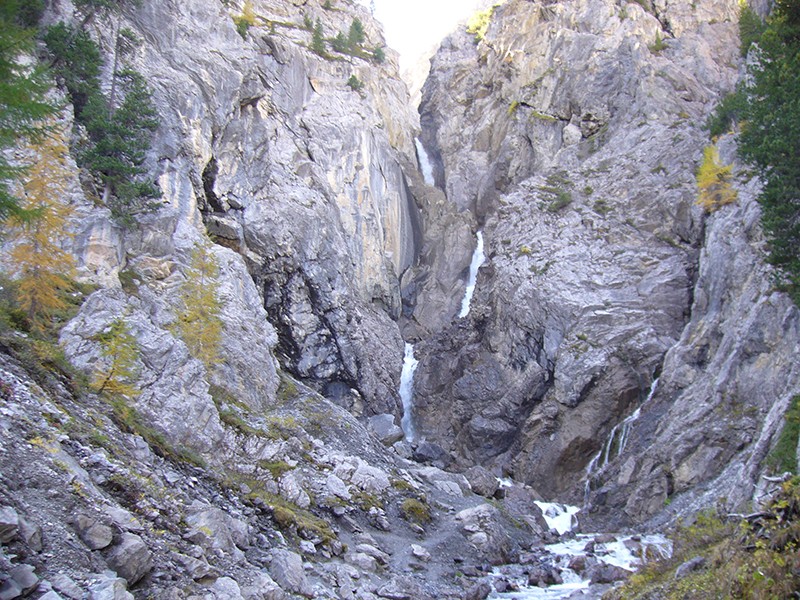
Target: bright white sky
[(413, 26)]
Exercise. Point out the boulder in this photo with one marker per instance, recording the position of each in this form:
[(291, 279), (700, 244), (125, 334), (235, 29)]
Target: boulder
[(225, 588), (286, 568), (213, 528), (605, 573), (370, 479), (403, 587), (66, 586), (31, 534), (479, 591), (130, 558), (337, 487), (428, 452), (109, 587), (420, 553), (364, 562), (25, 577), (263, 587), (9, 524), (482, 481), (691, 565), (383, 426), (93, 532), (482, 527)]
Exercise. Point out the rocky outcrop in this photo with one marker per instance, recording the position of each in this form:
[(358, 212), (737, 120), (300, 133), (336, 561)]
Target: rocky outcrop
[(88, 509), (571, 131), (263, 145), (724, 388)]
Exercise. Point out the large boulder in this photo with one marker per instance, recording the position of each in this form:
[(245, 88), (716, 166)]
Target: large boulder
[(483, 528), (286, 568), (130, 558)]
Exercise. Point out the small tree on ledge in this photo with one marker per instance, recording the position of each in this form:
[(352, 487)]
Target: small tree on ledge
[(714, 182), (355, 83)]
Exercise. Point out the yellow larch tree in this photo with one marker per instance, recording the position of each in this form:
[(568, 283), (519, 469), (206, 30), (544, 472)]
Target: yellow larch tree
[(199, 324), (714, 182), (116, 373), (42, 268)]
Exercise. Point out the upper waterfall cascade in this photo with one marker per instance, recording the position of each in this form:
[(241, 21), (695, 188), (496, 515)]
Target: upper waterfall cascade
[(424, 163), (407, 391), (478, 258)]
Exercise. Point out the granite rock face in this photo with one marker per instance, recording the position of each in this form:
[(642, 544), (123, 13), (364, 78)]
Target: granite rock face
[(572, 132), (263, 146)]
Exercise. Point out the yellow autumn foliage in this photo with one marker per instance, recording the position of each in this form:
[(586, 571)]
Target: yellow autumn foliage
[(714, 182), (116, 373), (42, 268), (199, 324)]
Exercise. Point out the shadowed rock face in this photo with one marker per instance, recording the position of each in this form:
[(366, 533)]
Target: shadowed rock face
[(573, 135)]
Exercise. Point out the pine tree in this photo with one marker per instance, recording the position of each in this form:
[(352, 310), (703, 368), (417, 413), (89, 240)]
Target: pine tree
[(24, 107), (339, 43), (318, 39), (42, 267), (121, 139), (76, 61), (770, 137), (714, 181), (199, 324), (356, 36), (120, 353)]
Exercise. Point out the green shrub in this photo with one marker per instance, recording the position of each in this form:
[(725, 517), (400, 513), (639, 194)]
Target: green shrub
[(275, 468), (378, 54), (415, 511), (478, 23), (658, 45), (355, 84), (751, 27), (562, 199), (783, 457), (743, 558)]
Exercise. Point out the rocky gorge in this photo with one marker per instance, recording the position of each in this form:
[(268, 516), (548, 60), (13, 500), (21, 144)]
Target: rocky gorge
[(564, 137)]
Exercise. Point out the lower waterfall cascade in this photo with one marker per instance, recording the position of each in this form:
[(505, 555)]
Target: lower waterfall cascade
[(478, 258), (407, 392), (616, 441)]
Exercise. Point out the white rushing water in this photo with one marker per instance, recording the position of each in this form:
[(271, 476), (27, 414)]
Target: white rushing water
[(616, 441), (424, 163), (621, 551), (478, 258), (407, 391), (558, 516)]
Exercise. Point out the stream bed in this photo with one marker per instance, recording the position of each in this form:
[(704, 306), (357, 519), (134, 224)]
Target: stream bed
[(582, 565)]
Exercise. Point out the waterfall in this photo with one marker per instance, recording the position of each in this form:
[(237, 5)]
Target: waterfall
[(478, 258), (407, 391), (424, 163), (615, 443)]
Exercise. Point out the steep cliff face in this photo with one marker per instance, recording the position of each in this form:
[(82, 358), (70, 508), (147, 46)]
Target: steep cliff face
[(724, 388), (290, 168), (572, 131)]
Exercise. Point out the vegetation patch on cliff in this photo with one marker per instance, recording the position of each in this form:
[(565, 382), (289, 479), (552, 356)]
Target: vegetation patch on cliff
[(766, 109), (729, 556)]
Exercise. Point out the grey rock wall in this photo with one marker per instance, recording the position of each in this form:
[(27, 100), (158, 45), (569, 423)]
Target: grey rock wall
[(263, 146), (572, 132)]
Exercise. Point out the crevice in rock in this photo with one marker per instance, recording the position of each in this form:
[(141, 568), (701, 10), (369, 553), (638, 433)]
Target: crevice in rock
[(213, 202)]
